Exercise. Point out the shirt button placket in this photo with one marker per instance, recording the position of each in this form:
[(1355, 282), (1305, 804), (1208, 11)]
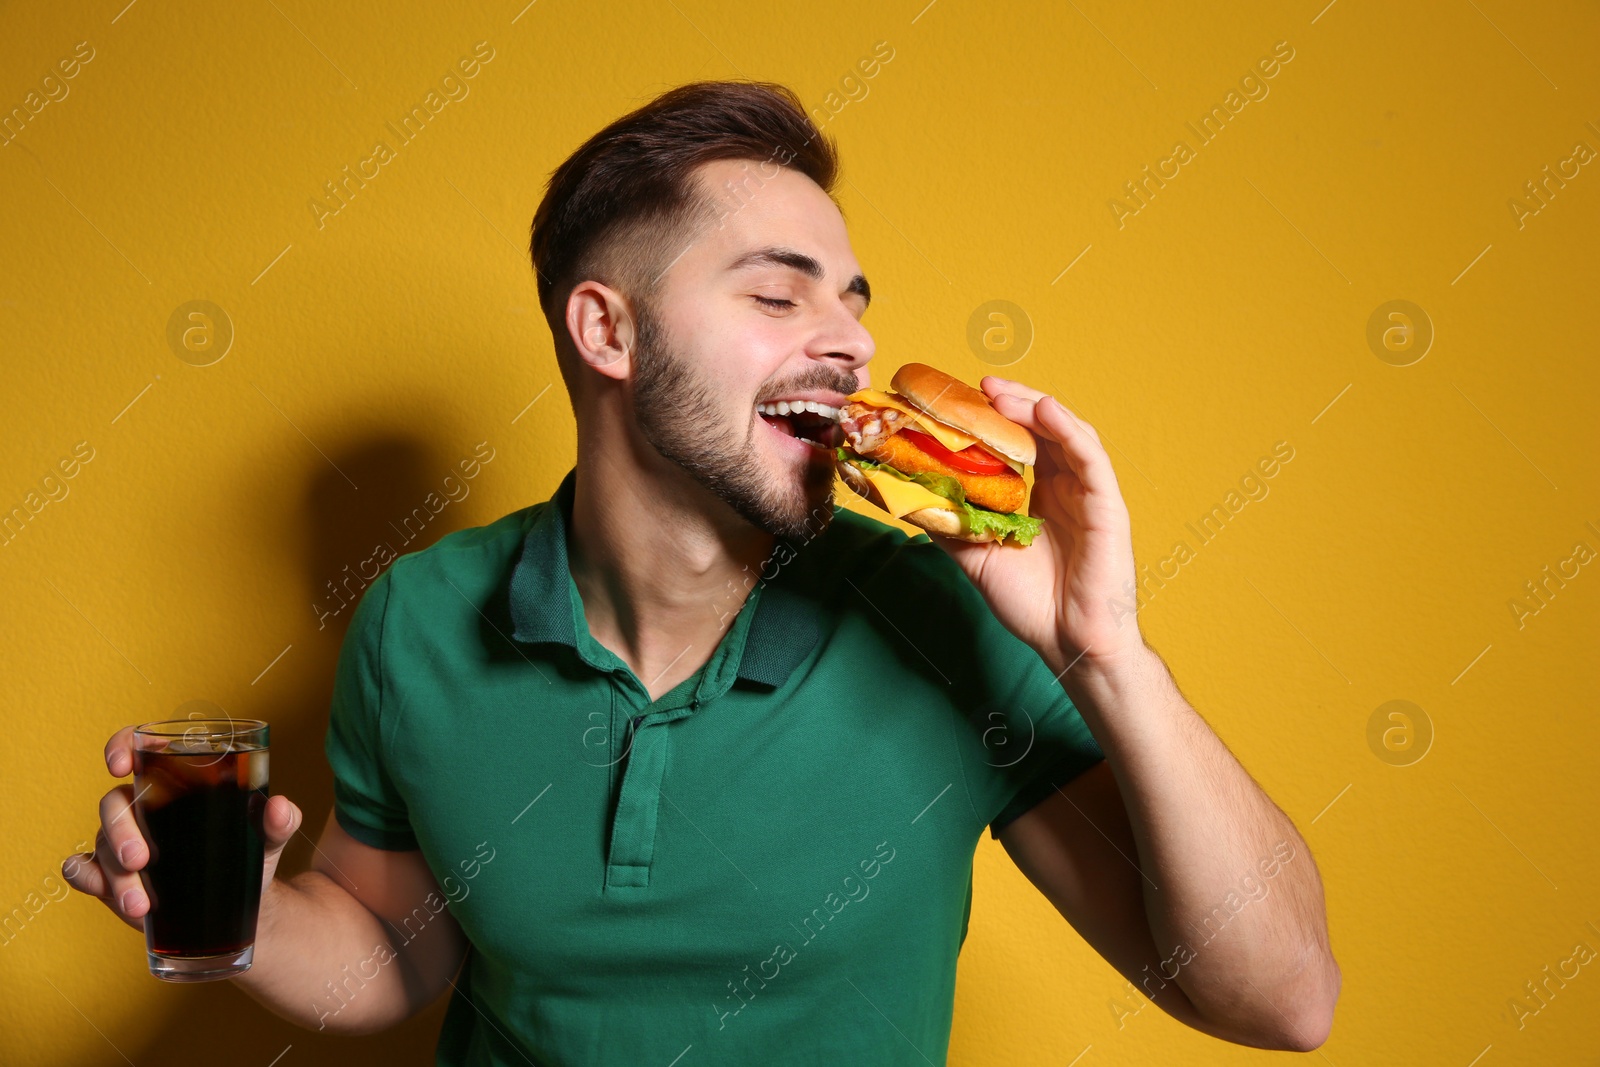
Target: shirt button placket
[(633, 828)]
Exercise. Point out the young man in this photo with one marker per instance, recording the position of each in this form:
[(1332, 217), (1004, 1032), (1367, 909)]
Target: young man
[(683, 765)]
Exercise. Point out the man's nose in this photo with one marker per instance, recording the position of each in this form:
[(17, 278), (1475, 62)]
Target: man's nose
[(843, 341)]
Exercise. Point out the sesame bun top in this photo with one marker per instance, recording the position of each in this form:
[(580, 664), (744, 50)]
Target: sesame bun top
[(958, 404)]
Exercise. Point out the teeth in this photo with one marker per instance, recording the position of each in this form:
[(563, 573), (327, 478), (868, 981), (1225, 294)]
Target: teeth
[(794, 407)]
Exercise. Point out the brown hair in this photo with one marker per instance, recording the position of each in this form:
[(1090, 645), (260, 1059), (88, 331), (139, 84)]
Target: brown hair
[(625, 201)]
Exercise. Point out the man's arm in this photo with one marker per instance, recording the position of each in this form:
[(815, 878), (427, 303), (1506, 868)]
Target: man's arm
[(362, 941), (1261, 969), (1176, 867)]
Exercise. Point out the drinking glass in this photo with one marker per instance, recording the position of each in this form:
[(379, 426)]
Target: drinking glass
[(200, 798)]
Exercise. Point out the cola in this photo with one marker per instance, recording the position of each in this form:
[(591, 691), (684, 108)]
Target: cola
[(200, 802)]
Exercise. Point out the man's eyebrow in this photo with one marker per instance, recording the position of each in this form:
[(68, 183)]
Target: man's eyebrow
[(775, 256)]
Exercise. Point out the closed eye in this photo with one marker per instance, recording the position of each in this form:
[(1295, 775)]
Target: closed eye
[(767, 301)]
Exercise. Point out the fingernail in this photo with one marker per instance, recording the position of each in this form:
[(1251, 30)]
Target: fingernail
[(125, 850), (130, 897)]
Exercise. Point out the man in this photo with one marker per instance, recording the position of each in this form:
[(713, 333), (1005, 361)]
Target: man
[(685, 766)]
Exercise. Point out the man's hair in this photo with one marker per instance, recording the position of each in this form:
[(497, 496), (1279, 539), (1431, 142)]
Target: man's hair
[(625, 204)]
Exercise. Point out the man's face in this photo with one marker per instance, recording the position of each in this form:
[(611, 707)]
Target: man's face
[(760, 313)]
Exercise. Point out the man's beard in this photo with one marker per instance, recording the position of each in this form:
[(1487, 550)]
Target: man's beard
[(677, 413)]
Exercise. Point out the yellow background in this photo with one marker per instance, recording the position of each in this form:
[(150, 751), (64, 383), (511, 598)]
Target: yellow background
[(372, 354)]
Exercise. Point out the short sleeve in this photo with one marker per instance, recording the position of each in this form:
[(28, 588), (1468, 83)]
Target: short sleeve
[(365, 800), (1063, 747), (1019, 735)]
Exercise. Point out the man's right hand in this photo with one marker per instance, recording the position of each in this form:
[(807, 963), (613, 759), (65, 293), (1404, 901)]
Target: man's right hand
[(111, 872), (315, 926)]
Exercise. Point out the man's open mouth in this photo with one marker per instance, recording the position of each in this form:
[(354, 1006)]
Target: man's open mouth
[(811, 421)]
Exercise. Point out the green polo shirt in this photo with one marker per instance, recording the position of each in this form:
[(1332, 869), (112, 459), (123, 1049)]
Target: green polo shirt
[(771, 863)]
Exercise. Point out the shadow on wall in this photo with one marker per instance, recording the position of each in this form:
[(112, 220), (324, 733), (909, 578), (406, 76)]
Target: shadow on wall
[(340, 526)]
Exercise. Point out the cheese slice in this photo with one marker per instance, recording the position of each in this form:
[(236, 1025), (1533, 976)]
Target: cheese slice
[(945, 434), (901, 498)]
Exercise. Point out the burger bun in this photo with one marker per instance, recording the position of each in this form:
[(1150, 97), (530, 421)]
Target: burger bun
[(955, 403)]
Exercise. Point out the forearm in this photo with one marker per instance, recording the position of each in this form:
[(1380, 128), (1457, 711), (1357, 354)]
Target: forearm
[(325, 962), (1233, 899)]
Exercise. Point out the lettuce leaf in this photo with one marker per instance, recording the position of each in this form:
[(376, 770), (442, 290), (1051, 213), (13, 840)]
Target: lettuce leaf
[(1021, 528)]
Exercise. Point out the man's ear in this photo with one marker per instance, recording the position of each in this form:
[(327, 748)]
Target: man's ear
[(601, 325)]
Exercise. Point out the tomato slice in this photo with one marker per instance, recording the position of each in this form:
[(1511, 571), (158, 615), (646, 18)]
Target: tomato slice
[(974, 459)]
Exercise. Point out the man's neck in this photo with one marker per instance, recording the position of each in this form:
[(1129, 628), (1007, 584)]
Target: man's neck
[(661, 564)]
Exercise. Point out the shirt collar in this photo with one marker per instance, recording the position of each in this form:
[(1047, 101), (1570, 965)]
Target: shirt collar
[(545, 605)]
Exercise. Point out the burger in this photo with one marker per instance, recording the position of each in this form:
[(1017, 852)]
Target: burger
[(932, 451)]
